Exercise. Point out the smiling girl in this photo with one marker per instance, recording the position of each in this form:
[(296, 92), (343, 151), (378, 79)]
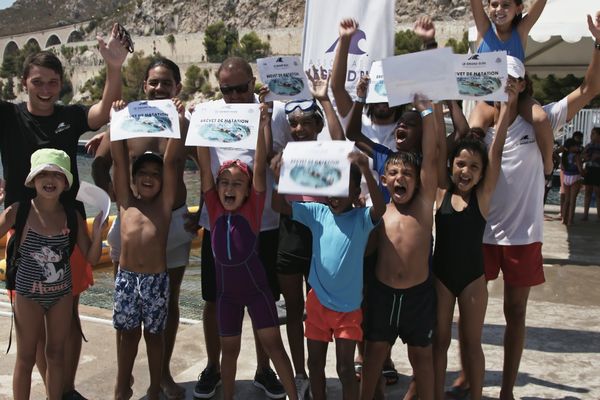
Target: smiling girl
[(462, 204)]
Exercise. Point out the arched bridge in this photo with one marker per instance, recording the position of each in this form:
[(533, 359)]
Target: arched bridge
[(44, 39)]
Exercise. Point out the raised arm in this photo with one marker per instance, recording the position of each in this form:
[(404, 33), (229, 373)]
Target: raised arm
[(529, 20), (378, 207), (259, 180), (354, 129), (174, 157), (429, 166), (91, 249), (121, 175), (343, 100), (278, 202), (442, 160), (425, 30), (267, 119), (319, 89), (114, 53), (101, 166), (590, 87), (486, 190), (482, 22)]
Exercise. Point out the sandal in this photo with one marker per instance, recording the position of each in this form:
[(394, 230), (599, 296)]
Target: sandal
[(358, 370), (390, 374)]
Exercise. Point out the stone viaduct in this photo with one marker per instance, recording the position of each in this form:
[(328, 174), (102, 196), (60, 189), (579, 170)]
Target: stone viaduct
[(45, 39)]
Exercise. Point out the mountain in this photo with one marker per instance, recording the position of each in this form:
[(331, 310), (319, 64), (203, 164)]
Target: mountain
[(146, 17)]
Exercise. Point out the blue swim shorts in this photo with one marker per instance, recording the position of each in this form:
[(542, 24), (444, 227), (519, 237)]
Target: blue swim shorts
[(141, 298)]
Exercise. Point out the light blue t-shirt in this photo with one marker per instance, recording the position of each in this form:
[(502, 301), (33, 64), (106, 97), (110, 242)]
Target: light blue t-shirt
[(338, 244)]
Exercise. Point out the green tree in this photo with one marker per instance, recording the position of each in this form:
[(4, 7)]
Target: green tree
[(8, 90), (12, 65), (406, 42), (251, 47), (461, 47), (219, 41)]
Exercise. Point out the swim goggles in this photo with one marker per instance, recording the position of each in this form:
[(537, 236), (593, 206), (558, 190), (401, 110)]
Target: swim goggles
[(236, 163), (125, 38), (303, 105)]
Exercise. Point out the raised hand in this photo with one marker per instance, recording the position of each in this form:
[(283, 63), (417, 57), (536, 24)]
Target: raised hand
[(363, 86), (425, 29), (118, 105), (421, 102), (179, 105), (359, 159), (319, 86), (91, 146), (348, 27), (115, 51), (594, 26)]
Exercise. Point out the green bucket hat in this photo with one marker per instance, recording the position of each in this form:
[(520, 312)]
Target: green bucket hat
[(49, 160)]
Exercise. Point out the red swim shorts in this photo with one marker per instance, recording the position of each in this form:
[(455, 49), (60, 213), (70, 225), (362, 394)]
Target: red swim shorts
[(322, 323), (521, 265)]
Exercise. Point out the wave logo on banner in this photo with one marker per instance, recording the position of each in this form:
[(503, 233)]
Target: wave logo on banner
[(354, 47)]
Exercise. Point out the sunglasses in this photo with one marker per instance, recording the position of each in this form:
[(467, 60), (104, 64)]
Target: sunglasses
[(239, 89), (303, 105), (125, 38)]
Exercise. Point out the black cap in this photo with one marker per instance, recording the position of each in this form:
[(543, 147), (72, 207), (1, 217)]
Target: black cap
[(146, 157)]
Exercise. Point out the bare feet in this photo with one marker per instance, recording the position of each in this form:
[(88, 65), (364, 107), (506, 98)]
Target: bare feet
[(411, 393), (124, 396), (153, 394), (172, 390)]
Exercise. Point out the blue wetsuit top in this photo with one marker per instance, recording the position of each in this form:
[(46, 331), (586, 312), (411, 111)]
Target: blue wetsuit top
[(513, 46)]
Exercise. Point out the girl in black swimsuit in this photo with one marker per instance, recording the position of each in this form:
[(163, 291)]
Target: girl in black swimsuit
[(462, 203)]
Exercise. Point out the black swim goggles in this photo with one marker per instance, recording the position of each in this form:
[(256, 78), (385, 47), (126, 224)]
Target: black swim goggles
[(125, 38)]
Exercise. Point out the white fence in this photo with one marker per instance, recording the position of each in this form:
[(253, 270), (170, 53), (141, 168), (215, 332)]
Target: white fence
[(584, 121)]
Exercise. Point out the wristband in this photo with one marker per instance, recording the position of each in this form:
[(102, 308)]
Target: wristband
[(361, 100), (426, 112), (270, 110)]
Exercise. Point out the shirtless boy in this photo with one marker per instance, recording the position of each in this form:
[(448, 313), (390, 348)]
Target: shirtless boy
[(142, 277), (401, 300)]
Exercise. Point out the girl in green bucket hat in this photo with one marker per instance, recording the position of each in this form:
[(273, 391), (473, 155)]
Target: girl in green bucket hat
[(38, 266)]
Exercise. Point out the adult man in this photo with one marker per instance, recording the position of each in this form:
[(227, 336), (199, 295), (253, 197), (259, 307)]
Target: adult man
[(41, 123), (236, 82)]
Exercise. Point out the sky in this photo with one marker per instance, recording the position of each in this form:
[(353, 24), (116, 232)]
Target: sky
[(5, 3)]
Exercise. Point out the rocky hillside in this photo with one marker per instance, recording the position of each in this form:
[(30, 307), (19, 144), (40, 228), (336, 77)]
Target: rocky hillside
[(146, 17)]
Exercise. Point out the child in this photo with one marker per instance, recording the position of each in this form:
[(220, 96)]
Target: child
[(294, 250), (43, 279), (505, 28), (462, 205), (401, 299), (142, 283), (235, 206), (591, 156), (339, 238), (572, 169)]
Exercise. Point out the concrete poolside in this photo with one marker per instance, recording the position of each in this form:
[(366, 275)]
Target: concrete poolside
[(561, 358)]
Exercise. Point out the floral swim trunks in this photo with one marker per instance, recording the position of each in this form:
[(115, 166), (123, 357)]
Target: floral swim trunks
[(140, 298)]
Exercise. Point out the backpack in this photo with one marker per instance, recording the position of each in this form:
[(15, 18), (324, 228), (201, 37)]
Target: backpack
[(12, 254)]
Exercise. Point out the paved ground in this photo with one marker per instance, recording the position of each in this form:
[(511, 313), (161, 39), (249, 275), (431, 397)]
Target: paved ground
[(561, 358)]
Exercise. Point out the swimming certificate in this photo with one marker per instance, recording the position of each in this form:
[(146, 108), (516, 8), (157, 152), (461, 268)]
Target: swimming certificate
[(156, 118), (284, 77)]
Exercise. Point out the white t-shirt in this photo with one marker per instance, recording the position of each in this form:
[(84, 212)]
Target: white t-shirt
[(516, 215), (280, 129)]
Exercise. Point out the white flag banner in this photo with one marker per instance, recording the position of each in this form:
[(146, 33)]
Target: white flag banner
[(217, 124), (318, 168), (442, 75), (156, 118), (376, 92), (374, 39), (285, 78)]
